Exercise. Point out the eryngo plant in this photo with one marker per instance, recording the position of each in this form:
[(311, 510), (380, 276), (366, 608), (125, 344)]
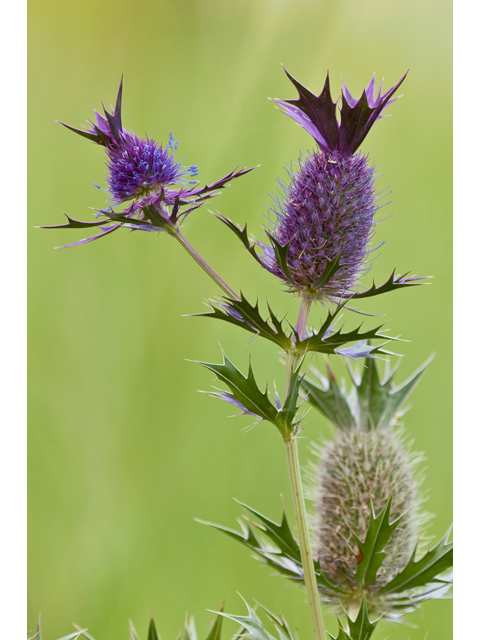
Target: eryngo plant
[(361, 555)]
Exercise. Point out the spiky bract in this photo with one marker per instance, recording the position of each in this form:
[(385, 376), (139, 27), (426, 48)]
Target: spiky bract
[(318, 114), (145, 175), (326, 216), (326, 213), (360, 468)]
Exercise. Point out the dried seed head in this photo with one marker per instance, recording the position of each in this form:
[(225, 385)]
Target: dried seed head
[(357, 469)]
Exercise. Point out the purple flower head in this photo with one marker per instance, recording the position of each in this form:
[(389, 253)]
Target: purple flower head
[(325, 221), (318, 114), (325, 216), (137, 169), (145, 175)]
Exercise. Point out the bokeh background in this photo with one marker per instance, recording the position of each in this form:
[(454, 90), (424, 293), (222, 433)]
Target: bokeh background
[(123, 451)]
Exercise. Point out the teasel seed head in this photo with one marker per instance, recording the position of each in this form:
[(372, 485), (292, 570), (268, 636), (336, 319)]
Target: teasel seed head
[(360, 470)]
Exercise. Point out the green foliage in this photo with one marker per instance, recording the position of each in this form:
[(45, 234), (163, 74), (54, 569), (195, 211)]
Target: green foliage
[(330, 400), (242, 234), (246, 395), (361, 628), (133, 632), (372, 403), (379, 402), (247, 316), (371, 551), (189, 631), (423, 571), (280, 550), (281, 623), (243, 314), (281, 259), (152, 631), (254, 626), (392, 284)]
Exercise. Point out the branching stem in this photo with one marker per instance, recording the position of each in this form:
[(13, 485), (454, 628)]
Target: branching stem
[(293, 462), (206, 267)]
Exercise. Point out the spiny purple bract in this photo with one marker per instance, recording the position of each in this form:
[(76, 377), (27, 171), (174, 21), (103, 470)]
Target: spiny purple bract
[(138, 169), (147, 176), (328, 209), (326, 215)]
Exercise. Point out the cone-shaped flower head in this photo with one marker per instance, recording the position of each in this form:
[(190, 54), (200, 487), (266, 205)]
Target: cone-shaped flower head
[(145, 175), (325, 218)]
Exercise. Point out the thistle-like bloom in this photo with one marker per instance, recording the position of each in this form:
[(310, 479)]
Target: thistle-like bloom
[(144, 174), (137, 169), (325, 218)]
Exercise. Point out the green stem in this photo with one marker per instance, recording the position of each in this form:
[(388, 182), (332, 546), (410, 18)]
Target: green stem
[(303, 537), (293, 462), (201, 262)]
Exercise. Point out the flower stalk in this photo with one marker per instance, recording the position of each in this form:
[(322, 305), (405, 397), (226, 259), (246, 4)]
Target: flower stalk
[(204, 265), (293, 463)]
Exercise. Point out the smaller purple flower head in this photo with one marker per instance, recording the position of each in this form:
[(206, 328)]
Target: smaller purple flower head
[(144, 174), (325, 215), (137, 169)]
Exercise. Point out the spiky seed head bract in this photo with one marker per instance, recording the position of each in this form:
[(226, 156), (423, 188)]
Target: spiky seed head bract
[(326, 212), (144, 176), (361, 469)]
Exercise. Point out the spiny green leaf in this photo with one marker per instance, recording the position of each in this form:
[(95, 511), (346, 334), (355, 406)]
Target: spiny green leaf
[(216, 628), (413, 599), (281, 258), (280, 562), (332, 267), (280, 534), (342, 634), (280, 622), (76, 224), (190, 631), (372, 396), (242, 234), (284, 556), (329, 400), (246, 395), (361, 628), (380, 402), (75, 635), (152, 632), (252, 623), (327, 342), (247, 316), (287, 413), (133, 631), (38, 631), (398, 395), (392, 284), (372, 549), (423, 571), (245, 392)]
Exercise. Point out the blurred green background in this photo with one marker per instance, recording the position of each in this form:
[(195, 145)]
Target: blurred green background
[(123, 451)]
